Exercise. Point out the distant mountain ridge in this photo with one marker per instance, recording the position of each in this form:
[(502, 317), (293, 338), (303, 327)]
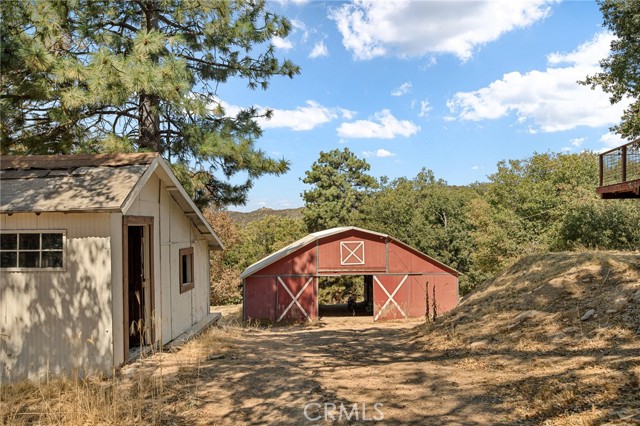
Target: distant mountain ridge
[(243, 218)]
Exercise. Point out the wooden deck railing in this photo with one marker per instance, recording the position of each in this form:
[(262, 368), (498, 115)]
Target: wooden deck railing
[(620, 164), (620, 170)]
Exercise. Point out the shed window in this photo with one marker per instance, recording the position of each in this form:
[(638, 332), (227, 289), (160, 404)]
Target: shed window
[(186, 269), (32, 250)]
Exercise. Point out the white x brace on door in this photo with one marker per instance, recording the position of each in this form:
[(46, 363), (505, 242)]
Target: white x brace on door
[(294, 299), (390, 299)]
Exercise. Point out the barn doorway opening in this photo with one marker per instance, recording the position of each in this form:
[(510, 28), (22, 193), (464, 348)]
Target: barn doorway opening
[(345, 295)]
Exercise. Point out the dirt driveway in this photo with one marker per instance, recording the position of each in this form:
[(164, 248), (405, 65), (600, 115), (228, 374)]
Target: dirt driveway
[(354, 371), (255, 376)]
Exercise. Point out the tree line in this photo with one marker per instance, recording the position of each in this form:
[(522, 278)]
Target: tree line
[(102, 76), (546, 202)]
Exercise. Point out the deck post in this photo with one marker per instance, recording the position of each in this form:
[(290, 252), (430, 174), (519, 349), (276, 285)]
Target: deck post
[(624, 163), (601, 167)]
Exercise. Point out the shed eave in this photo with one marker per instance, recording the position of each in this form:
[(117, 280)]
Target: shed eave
[(160, 167), (113, 209)]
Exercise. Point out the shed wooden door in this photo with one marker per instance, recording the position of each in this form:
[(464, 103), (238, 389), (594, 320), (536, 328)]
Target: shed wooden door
[(296, 300), (391, 296)]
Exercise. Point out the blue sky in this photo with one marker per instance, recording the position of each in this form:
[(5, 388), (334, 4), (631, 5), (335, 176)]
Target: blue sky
[(453, 86)]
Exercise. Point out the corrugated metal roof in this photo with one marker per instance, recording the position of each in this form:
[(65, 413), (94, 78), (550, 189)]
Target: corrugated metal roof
[(302, 242), (285, 251), (88, 183)]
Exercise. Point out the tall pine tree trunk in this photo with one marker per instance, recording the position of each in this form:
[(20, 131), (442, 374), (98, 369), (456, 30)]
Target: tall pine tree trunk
[(149, 123), (148, 106)]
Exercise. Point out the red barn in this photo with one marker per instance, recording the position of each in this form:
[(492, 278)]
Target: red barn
[(400, 279)]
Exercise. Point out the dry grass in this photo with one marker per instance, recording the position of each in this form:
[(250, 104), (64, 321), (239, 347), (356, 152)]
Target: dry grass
[(157, 389), (78, 401), (528, 320)]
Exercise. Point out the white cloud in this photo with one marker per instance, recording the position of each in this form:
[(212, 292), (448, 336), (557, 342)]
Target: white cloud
[(380, 153), (299, 25), (477, 168), (549, 100), (282, 43), (431, 61), (300, 118), (588, 53), (296, 2), (402, 90), (372, 28), (382, 126), (425, 107), (303, 117), (611, 140), (347, 114), (229, 109), (319, 49), (577, 141)]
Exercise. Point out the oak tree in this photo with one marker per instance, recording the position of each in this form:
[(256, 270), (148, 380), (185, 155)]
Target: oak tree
[(620, 75)]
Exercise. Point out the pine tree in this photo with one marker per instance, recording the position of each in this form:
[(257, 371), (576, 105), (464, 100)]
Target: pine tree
[(141, 75), (341, 186)]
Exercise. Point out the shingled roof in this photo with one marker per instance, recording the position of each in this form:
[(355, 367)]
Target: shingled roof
[(88, 183)]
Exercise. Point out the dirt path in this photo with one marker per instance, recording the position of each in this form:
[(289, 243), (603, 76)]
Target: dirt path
[(269, 376), (238, 375)]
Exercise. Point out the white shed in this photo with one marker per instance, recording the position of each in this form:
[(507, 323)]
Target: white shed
[(100, 256)]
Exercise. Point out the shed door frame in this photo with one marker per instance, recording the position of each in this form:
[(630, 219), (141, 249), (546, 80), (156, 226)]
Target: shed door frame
[(146, 221)]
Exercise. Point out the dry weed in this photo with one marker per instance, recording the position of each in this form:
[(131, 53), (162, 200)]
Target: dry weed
[(157, 389)]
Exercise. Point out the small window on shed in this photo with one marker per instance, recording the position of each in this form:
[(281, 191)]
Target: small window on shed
[(186, 269), (29, 250)]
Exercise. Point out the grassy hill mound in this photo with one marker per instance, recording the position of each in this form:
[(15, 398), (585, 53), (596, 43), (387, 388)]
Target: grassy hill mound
[(562, 332)]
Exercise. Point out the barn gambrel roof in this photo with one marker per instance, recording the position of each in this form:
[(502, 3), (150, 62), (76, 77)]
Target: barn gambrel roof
[(89, 183), (311, 238)]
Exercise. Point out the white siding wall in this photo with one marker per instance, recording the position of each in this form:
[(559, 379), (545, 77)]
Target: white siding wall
[(181, 304), (59, 321), (175, 312), (117, 279), (202, 266)]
